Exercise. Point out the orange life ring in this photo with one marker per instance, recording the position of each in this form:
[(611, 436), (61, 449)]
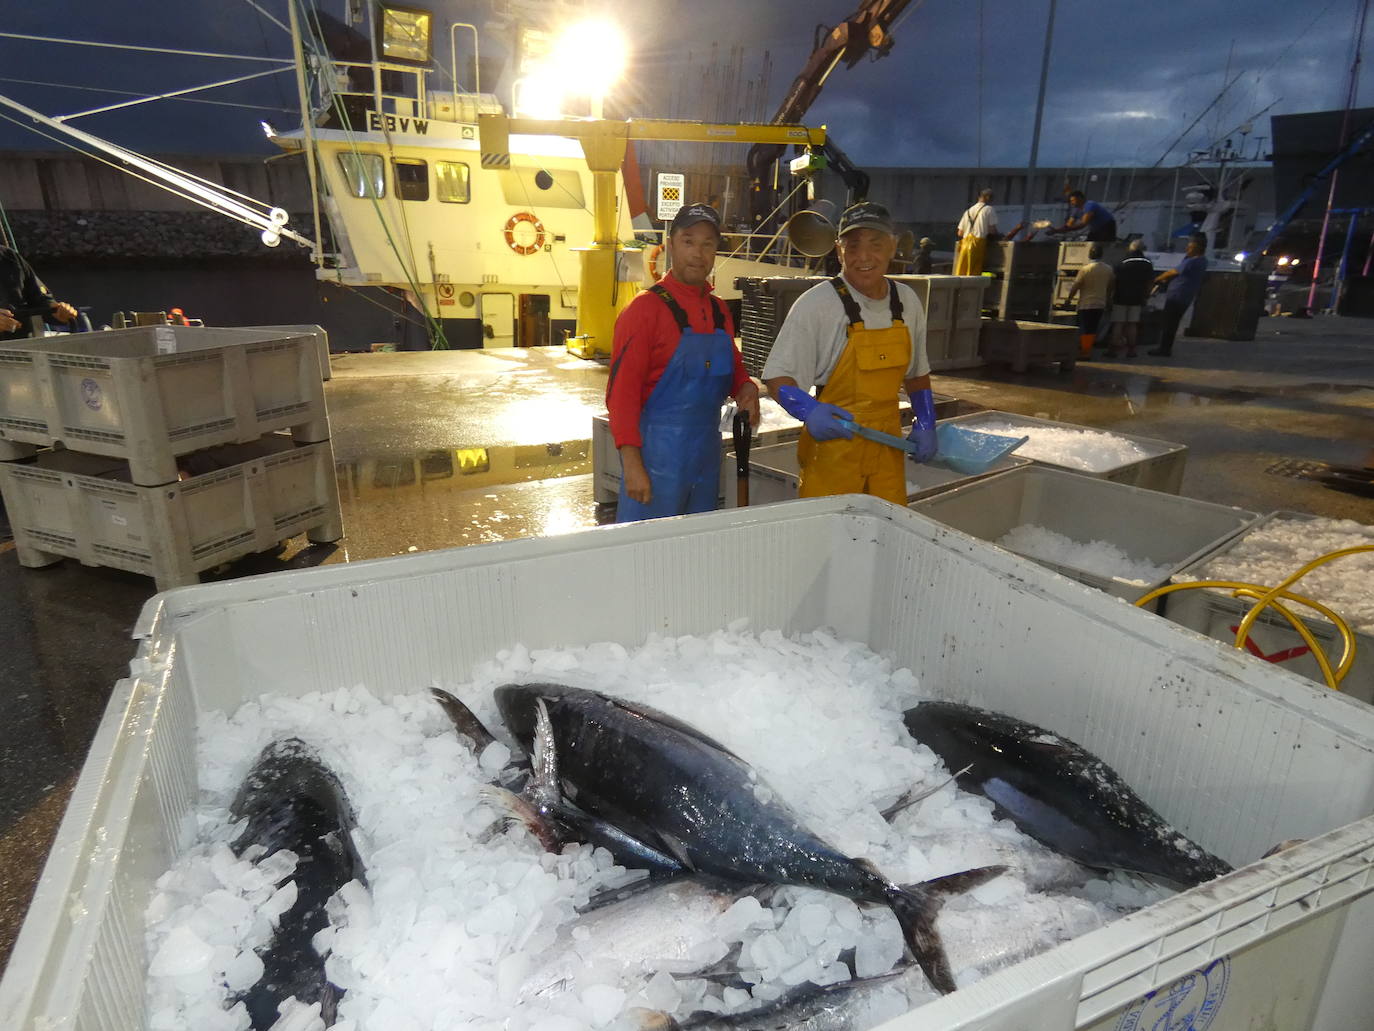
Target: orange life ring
[(524, 248), (655, 253)]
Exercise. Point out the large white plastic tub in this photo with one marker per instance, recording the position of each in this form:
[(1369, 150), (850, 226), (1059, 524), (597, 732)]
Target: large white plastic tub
[(1217, 614), (151, 394), (1238, 756), (1159, 468), (1148, 525)]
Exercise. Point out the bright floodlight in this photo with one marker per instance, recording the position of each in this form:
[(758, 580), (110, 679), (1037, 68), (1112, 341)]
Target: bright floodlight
[(1240, 256), (589, 57), (539, 95)]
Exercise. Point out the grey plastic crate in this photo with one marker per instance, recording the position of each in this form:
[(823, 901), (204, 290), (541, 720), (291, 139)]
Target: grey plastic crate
[(80, 506), (150, 394), (1073, 254), (775, 474), (1160, 469), (764, 304), (1149, 526), (1021, 344), (1215, 613), (780, 429), (318, 332)]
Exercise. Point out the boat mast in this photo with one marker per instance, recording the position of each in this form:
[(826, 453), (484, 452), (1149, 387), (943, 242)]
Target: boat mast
[(1039, 111), (308, 131), (1350, 93)]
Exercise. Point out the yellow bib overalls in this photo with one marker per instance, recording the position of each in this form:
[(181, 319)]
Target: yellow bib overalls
[(871, 369)]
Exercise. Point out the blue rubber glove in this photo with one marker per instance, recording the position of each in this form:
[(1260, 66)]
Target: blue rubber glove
[(823, 422), (923, 426), (820, 418)]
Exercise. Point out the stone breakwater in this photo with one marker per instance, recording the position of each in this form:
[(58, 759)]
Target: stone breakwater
[(48, 236)]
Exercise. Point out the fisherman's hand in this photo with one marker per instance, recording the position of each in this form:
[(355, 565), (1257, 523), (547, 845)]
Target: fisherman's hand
[(923, 426), (63, 312), (822, 422), (747, 398), (8, 323), (637, 484)]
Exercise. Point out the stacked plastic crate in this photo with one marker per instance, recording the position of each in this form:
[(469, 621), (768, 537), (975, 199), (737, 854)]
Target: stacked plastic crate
[(1073, 255), (1023, 279), (954, 318), (161, 450)]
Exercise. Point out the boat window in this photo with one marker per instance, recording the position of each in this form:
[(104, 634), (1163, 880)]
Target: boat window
[(363, 173), (412, 178), (546, 187), (451, 182)]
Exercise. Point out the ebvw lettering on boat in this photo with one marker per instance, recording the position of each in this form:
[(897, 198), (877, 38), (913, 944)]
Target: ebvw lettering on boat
[(397, 123)]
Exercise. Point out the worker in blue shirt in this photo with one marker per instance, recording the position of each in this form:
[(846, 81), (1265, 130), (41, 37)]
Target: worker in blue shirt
[(1090, 215), (1181, 289)]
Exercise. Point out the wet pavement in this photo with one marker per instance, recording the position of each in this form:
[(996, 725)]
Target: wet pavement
[(439, 450)]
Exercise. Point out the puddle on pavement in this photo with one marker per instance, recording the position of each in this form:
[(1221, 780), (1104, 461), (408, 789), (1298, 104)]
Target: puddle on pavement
[(444, 497)]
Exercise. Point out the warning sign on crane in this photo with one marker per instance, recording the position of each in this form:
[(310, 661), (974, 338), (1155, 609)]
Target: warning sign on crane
[(670, 189)]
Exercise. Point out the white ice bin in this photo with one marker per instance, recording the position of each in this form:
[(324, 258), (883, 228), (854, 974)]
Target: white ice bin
[(775, 475), (1148, 525), (1160, 466), (1236, 755), (1272, 638)]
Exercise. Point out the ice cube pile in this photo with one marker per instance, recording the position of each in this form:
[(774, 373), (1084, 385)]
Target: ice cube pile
[(456, 916), (1093, 451), (1278, 548), (1101, 558)]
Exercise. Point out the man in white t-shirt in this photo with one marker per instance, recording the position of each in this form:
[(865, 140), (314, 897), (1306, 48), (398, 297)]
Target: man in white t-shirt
[(976, 227), (859, 339)]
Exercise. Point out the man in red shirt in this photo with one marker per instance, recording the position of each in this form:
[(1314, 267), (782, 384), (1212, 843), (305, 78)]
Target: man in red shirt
[(673, 364)]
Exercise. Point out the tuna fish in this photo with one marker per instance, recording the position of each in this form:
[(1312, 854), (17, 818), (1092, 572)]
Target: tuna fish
[(291, 801), (1059, 794), (686, 796)]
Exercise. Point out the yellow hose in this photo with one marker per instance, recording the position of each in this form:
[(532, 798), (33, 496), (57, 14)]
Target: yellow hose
[(1267, 597)]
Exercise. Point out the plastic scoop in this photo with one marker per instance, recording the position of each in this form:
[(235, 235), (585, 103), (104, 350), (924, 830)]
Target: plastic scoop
[(969, 451)]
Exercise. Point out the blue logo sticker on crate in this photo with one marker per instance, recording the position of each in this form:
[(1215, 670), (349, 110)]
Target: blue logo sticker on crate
[(90, 393), (1189, 1004)]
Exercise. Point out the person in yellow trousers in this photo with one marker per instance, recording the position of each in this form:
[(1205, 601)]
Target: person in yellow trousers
[(858, 339), (976, 227)]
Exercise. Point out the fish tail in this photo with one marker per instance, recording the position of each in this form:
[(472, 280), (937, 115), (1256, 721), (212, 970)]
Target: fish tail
[(464, 720), (916, 907)]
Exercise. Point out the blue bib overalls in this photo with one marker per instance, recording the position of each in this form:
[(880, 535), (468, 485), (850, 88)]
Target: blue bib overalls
[(680, 422)]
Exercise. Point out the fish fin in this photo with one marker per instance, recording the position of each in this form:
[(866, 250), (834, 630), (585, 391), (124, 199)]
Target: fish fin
[(677, 850), (464, 720), (513, 809), (543, 787), (725, 971), (912, 797), (916, 907)]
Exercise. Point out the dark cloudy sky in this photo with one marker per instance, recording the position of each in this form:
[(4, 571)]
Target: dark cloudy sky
[(1127, 76)]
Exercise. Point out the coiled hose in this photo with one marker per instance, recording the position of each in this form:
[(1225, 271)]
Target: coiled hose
[(1268, 597)]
